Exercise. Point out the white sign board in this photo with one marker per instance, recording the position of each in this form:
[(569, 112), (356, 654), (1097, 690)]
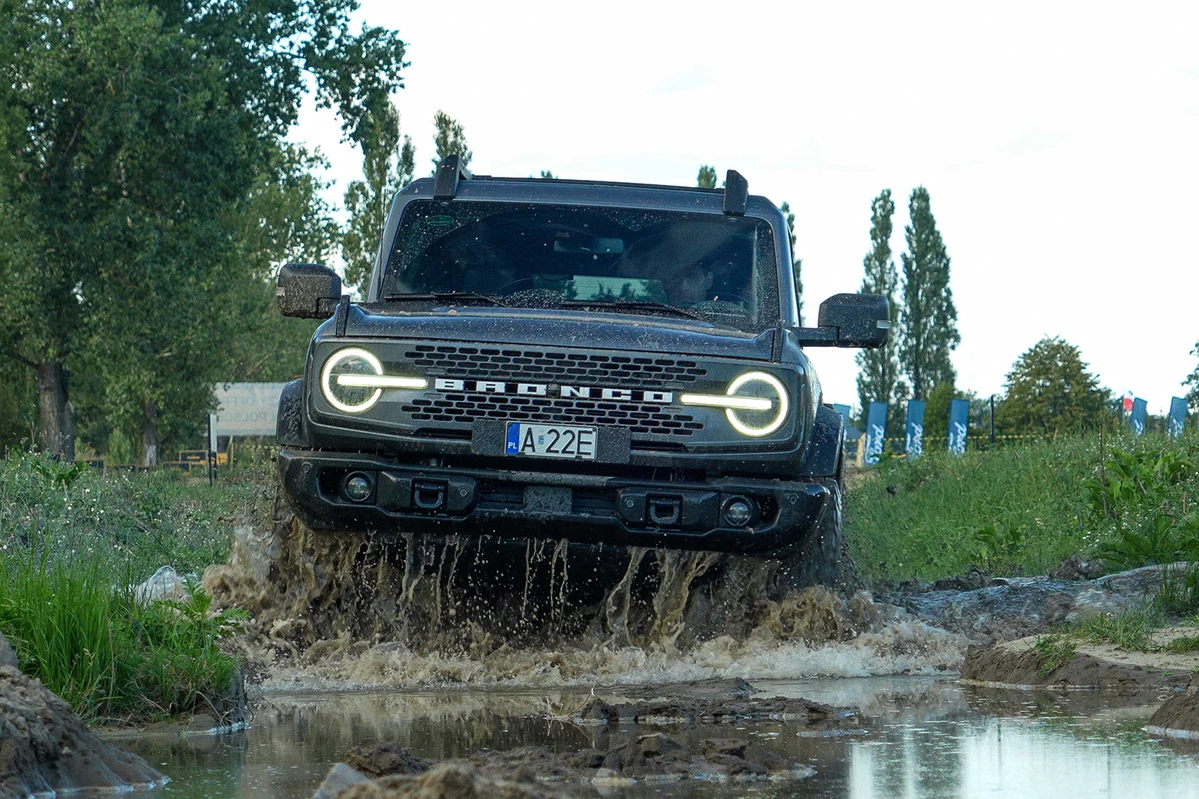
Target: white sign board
[(246, 409)]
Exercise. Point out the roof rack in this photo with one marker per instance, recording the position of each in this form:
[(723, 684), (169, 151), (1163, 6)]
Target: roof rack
[(736, 193), (445, 182)]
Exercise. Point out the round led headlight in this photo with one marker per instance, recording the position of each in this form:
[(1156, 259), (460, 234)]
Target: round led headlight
[(342, 394), (755, 421)]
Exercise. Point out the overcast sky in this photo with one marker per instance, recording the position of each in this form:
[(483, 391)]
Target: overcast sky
[(1059, 143)]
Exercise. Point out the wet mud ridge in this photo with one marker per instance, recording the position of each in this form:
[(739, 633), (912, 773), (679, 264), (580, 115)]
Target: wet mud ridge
[(691, 746)]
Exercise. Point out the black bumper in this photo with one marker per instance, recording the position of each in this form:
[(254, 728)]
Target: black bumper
[(591, 509)]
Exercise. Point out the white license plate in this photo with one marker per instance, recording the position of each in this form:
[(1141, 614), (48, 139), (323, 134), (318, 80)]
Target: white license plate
[(551, 441)]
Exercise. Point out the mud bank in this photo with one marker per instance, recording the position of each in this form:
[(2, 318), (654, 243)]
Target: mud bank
[(46, 749), (1178, 717), (1103, 667)]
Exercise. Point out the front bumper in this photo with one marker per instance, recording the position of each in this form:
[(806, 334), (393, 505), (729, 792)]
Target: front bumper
[(591, 509)]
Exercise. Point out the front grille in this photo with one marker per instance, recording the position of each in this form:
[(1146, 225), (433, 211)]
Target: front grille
[(460, 408), (549, 366)]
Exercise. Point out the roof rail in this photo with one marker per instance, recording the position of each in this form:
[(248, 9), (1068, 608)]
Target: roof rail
[(445, 181), (736, 193)]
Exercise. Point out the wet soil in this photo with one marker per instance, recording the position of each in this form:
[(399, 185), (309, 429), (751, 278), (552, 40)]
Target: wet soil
[(45, 748), (1178, 717)]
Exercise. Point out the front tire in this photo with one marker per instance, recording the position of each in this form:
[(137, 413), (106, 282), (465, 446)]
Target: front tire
[(818, 559)]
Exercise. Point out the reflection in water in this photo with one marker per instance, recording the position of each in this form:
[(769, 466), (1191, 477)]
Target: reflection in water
[(926, 738)]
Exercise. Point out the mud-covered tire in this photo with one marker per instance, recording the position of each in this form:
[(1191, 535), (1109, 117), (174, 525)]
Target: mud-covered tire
[(818, 559)]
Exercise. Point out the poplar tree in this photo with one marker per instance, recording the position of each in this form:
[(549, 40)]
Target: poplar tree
[(929, 319), (1193, 382), (706, 179), (387, 166), (796, 263), (878, 375), (450, 139)]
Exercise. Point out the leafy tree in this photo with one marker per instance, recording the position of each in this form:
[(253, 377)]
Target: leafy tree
[(707, 177), (878, 375), (1193, 381), (936, 411), (929, 319), (1049, 390), (387, 167), (797, 263), (547, 175), (450, 139), (129, 129)]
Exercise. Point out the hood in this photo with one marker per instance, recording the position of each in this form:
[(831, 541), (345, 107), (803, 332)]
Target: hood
[(561, 328)]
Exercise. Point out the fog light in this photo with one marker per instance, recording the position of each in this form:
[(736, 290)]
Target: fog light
[(738, 512), (357, 487)]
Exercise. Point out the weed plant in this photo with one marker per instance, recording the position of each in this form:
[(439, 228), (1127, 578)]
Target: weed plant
[(108, 655)]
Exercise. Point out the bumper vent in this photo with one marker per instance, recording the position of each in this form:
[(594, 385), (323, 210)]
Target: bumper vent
[(547, 366)]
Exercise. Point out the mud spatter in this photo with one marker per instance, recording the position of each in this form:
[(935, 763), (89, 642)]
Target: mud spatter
[(337, 610)]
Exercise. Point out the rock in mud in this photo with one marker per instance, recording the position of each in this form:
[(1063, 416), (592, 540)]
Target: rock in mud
[(45, 748), (1021, 606), (1179, 716), (679, 709), (453, 781), (388, 758)]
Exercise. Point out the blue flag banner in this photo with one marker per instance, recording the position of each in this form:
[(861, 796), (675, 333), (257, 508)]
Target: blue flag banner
[(959, 411), (876, 426), (1178, 415), (1139, 409), (914, 440)]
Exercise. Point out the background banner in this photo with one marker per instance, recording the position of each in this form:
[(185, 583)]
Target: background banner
[(1178, 415), (876, 426), (914, 440), (959, 412), (1139, 408)]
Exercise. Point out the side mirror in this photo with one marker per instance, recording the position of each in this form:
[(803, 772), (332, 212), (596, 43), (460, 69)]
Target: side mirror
[(849, 320), (307, 291)]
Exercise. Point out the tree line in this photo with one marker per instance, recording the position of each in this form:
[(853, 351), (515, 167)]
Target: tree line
[(148, 193)]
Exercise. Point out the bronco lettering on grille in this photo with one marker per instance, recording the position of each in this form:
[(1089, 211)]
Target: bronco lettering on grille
[(544, 390)]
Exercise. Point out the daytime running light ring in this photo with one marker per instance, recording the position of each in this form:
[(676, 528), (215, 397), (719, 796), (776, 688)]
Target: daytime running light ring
[(327, 374), (783, 404)]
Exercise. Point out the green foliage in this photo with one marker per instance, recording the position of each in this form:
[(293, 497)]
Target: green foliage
[(797, 263), (936, 410), (106, 654), (938, 520), (546, 175), (1049, 390), (706, 178), (1144, 500), (387, 167), (1053, 652), (133, 139), (878, 370), (929, 318), (1131, 629), (450, 139)]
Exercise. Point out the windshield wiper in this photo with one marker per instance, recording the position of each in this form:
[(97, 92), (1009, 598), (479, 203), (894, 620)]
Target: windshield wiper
[(634, 305), (447, 296)]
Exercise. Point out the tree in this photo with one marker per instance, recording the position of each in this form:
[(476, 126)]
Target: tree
[(547, 175), (929, 319), (878, 370), (1193, 381), (387, 167), (706, 178), (128, 130), (450, 139), (797, 263), (1049, 390), (936, 410)]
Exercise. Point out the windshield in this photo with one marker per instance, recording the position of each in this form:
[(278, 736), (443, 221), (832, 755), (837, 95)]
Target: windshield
[(717, 268)]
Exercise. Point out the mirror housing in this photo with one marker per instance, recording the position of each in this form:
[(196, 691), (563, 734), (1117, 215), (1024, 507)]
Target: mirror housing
[(849, 320), (307, 291)]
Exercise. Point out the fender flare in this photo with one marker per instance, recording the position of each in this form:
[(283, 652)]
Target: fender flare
[(826, 445), (291, 426)]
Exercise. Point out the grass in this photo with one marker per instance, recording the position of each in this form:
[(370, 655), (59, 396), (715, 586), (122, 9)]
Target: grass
[(1053, 652), (73, 544), (1023, 510)]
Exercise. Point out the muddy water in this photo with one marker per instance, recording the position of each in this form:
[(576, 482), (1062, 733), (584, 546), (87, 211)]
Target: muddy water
[(923, 737)]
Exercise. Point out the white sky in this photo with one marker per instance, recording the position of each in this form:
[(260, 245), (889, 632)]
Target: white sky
[(1059, 143)]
